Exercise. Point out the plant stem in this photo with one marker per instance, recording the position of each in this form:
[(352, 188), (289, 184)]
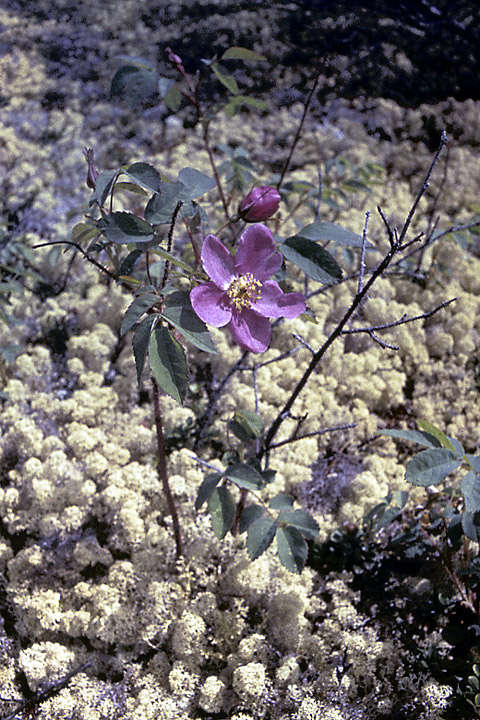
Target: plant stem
[(162, 467)]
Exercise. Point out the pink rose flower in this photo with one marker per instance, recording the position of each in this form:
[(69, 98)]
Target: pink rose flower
[(240, 294), (260, 204)]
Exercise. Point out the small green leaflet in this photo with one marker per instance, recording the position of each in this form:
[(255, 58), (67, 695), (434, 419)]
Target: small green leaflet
[(326, 231), (470, 486), (430, 467), (141, 340), (240, 53), (135, 311), (260, 536), (292, 549), (302, 521), (180, 313), (124, 227), (249, 515), (422, 438), (316, 262), (244, 476), (437, 433), (246, 425), (145, 175), (221, 507), (168, 363), (226, 78), (206, 488)]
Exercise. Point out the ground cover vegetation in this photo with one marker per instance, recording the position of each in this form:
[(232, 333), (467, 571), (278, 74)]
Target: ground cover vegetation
[(249, 313)]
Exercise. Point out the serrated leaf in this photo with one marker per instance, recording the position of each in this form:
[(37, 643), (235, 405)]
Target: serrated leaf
[(246, 425), (237, 102), (221, 507), (173, 98), (196, 183), (474, 461), (437, 433), (180, 313), (136, 82), (470, 525), (128, 265), (136, 309), (172, 259), (83, 232), (145, 175), (130, 187), (430, 467), (422, 438), (161, 206), (141, 341), (168, 363), (316, 262), (249, 515), (225, 78), (123, 227), (260, 536), (240, 53), (244, 476), (281, 502), (208, 485), (470, 487), (302, 521), (104, 186), (326, 231), (292, 549)]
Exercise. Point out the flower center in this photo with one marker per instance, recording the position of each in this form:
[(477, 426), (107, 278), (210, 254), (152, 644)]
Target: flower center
[(243, 291)]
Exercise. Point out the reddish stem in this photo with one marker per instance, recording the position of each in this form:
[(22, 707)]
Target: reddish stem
[(162, 467)]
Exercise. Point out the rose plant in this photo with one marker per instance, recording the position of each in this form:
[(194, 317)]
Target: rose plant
[(233, 282)]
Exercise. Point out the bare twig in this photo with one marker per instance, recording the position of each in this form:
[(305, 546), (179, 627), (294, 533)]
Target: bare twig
[(395, 323), (29, 706), (295, 438)]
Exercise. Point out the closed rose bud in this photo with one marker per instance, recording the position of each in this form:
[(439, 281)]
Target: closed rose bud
[(260, 204), (92, 174)]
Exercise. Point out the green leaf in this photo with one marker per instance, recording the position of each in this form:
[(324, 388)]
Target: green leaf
[(281, 502), (128, 265), (474, 461), (130, 187), (145, 175), (246, 425), (173, 98), (325, 231), (316, 262), (240, 53), (141, 341), (437, 433), (470, 525), (221, 507), (237, 102), (168, 363), (422, 438), (208, 485), (124, 227), (172, 259), (196, 183), (260, 536), (470, 487), (225, 78), (249, 515), (136, 82), (83, 232), (180, 313), (244, 476), (292, 549), (135, 311), (430, 467), (302, 521), (104, 186), (161, 206)]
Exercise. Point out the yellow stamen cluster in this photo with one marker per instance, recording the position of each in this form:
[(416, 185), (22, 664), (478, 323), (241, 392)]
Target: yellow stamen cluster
[(244, 290)]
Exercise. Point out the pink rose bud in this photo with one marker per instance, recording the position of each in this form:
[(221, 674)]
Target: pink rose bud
[(176, 60), (92, 173), (260, 204)]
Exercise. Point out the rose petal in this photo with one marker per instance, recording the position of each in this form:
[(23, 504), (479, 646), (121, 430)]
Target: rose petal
[(274, 303), (257, 254), (218, 263), (211, 304), (250, 331)]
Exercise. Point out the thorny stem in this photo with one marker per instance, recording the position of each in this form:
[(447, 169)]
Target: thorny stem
[(396, 245), (162, 467)]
